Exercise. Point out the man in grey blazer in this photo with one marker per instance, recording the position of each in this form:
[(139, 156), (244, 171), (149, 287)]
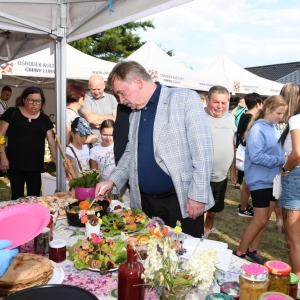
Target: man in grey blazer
[(169, 157)]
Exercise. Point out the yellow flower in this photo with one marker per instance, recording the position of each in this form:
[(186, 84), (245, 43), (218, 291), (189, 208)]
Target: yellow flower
[(2, 140), (177, 230), (100, 221)]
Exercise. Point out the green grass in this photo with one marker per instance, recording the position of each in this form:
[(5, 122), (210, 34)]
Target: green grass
[(229, 226), (5, 193)]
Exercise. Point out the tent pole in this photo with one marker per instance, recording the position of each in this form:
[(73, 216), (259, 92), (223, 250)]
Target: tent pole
[(60, 85)]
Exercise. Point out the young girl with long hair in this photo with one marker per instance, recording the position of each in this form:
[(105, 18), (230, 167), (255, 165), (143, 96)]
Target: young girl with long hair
[(263, 157), (102, 155), (290, 197), (290, 94)]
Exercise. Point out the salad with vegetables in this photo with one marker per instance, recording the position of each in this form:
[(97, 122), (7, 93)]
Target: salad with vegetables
[(126, 220), (99, 253)]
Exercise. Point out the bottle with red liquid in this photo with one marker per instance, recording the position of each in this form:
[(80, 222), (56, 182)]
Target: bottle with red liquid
[(130, 283)]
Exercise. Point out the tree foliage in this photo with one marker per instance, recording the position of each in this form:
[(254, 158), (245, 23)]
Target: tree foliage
[(115, 44)]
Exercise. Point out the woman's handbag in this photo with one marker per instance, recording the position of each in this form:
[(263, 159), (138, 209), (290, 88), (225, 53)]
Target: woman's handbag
[(277, 189), (240, 157)]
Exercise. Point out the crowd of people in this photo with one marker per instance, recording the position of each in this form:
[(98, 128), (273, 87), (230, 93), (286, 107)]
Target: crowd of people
[(171, 150)]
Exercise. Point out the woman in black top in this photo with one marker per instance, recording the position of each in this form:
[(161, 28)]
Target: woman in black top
[(26, 128)]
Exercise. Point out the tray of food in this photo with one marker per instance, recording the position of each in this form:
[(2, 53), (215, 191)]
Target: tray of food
[(87, 206), (125, 220), (53, 203), (97, 254)]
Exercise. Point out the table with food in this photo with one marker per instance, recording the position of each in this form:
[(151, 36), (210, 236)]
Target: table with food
[(85, 244)]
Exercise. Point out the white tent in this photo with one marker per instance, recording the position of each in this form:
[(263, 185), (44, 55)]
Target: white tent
[(168, 71), (241, 80), (39, 68), (27, 26)]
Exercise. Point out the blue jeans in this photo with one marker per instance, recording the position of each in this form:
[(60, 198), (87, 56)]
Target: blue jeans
[(290, 197)]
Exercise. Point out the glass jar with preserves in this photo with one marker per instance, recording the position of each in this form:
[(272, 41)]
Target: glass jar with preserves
[(279, 276), (293, 285), (274, 296), (57, 251), (253, 281)]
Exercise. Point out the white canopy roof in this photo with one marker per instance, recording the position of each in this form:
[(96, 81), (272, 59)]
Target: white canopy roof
[(27, 26), (241, 80), (168, 71), (39, 68)]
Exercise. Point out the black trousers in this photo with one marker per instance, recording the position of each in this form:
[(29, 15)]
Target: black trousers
[(19, 178), (168, 210), (240, 177)]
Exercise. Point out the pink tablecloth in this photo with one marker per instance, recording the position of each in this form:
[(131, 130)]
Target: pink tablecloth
[(103, 286)]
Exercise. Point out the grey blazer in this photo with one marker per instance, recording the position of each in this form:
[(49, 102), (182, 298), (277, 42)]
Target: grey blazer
[(183, 148)]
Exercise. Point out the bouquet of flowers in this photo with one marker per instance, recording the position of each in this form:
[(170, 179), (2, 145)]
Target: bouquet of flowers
[(172, 276), (85, 179)]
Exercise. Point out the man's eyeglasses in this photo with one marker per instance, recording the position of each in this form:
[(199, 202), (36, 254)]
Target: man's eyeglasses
[(106, 135), (31, 101)]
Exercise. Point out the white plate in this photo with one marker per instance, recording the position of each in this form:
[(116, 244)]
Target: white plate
[(58, 274), (115, 203)]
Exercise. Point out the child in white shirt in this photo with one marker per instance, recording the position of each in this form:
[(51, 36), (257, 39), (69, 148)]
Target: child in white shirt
[(102, 156), (80, 130)]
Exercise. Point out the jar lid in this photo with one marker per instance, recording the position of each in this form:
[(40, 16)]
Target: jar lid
[(293, 278), (57, 244), (274, 296), (277, 267), (218, 296), (254, 272), (231, 288)]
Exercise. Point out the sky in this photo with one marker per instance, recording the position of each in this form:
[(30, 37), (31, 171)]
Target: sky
[(249, 32)]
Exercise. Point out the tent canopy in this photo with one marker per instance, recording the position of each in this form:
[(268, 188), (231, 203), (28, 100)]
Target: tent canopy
[(241, 80), (168, 71), (27, 26), (39, 68)]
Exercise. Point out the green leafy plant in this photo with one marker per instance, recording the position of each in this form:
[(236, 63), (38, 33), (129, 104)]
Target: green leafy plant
[(85, 179)]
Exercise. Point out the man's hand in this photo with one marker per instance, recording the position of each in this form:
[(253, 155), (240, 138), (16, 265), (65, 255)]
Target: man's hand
[(103, 188), (194, 208)]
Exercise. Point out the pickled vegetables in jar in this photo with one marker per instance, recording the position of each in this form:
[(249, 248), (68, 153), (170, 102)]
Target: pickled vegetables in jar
[(279, 276), (254, 281)]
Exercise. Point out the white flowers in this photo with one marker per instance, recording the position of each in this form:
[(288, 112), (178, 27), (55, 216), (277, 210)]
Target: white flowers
[(202, 267), (164, 268), (158, 252)]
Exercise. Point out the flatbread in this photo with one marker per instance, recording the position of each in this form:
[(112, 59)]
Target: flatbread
[(26, 270)]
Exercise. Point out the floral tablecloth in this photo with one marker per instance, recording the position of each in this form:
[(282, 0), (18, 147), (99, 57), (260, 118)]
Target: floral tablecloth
[(105, 286)]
